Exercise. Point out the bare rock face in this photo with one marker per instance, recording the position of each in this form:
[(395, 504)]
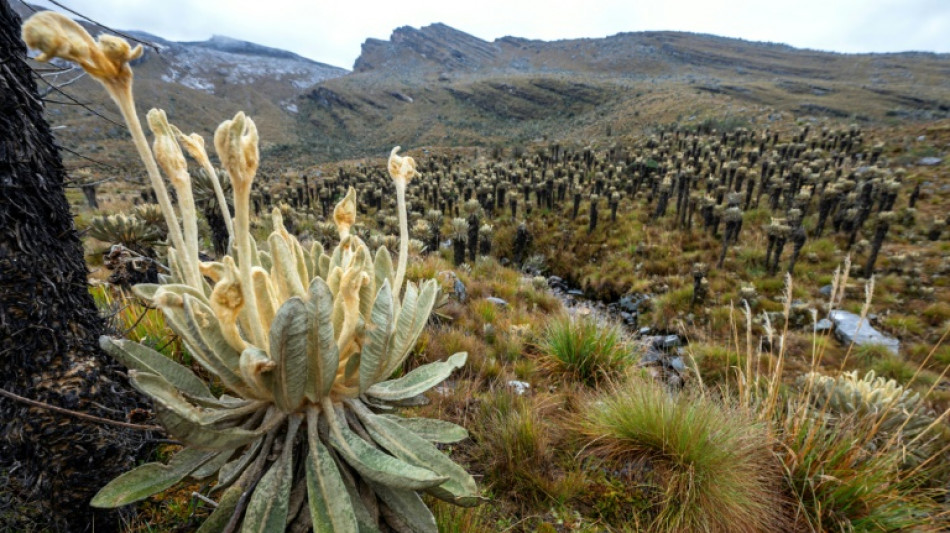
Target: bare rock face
[(434, 47), (850, 328)]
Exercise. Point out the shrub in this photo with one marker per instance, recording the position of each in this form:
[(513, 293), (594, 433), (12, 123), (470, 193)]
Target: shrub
[(714, 465), (589, 352)]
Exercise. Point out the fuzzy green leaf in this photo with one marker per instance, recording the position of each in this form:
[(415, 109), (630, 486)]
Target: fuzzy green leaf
[(381, 467), (373, 357), (422, 308), (431, 429), (408, 508), (383, 266), (459, 488), (288, 349), (149, 479), (202, 318), (418, 381), (203, 437), (168, 396), (268, 506), (223, 512), (212, 466), (139, 357), (322, 353), (229, 472), (329, 510), (405, 323)]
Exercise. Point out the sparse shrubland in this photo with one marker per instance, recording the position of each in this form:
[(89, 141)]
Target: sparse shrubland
[(305, 381)]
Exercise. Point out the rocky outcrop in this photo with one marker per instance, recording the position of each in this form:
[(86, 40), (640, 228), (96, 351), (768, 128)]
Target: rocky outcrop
[(434, 47)]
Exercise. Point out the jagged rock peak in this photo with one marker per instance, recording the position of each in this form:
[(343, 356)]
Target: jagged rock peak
[(436, 46)]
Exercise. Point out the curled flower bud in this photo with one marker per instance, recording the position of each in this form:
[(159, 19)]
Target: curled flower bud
[(401, 168), (194, 144), (236, 143), (344, 214), (56, 35), (165, 147)]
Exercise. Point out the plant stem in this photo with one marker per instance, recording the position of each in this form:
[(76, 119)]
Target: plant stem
[(122, 96), (403, 236)]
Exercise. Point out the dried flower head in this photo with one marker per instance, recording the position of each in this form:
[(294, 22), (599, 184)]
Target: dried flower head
[(401, 168), (56, 35), (344, 214)]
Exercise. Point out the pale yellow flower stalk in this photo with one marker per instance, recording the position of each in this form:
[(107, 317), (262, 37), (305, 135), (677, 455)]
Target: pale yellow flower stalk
[(172, 161), (236, 143), (106, 60), (401, 169), (195, 146)]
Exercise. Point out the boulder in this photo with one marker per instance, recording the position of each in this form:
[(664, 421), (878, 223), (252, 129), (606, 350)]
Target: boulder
[(850, 328)]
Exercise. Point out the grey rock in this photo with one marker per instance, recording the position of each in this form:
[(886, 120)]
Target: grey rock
[(650, 356), (850, 328), (459, 289), (645, 330), (497, 301), (677, 364), (823, 325), (930, 161), (520, 387), (826, 290), (669, 342), (575, 292)]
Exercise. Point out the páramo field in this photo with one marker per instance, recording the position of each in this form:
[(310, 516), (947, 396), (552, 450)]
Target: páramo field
[(735, 321)]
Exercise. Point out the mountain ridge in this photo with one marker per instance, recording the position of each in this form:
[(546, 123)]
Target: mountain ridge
[(440, 86)]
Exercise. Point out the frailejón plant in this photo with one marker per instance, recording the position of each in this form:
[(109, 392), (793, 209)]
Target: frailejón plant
[(302, 341)]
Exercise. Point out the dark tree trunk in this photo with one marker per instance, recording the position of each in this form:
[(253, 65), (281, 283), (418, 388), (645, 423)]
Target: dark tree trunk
[(458, 249), (50, 464)]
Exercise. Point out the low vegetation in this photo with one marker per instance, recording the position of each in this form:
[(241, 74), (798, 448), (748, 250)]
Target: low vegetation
[(621, 337)]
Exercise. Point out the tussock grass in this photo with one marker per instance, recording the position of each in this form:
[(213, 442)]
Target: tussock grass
[(845, 472), (713, 463), (585, 350), (515, 445)]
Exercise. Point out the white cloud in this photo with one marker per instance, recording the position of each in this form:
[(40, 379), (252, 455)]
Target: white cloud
[(332, 32)]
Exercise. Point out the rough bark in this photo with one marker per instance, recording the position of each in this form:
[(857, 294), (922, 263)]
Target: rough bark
[(50, 464)]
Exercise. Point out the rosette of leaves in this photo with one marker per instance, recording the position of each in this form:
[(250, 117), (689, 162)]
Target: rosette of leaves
[(892, 406), (129, 231), (152, 215), (303, 343), (308, 407)]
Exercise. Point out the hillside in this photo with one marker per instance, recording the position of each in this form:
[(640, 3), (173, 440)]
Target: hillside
[(439, 86), (198, 83)]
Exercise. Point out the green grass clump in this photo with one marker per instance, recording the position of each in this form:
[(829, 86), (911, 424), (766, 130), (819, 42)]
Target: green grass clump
[(717, 363), (841, 485), (515, 446), (589, 352), (937, 313), (904, 325), (713, 464)]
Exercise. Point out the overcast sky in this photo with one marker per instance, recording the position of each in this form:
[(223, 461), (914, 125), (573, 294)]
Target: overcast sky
[(331, 31)]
